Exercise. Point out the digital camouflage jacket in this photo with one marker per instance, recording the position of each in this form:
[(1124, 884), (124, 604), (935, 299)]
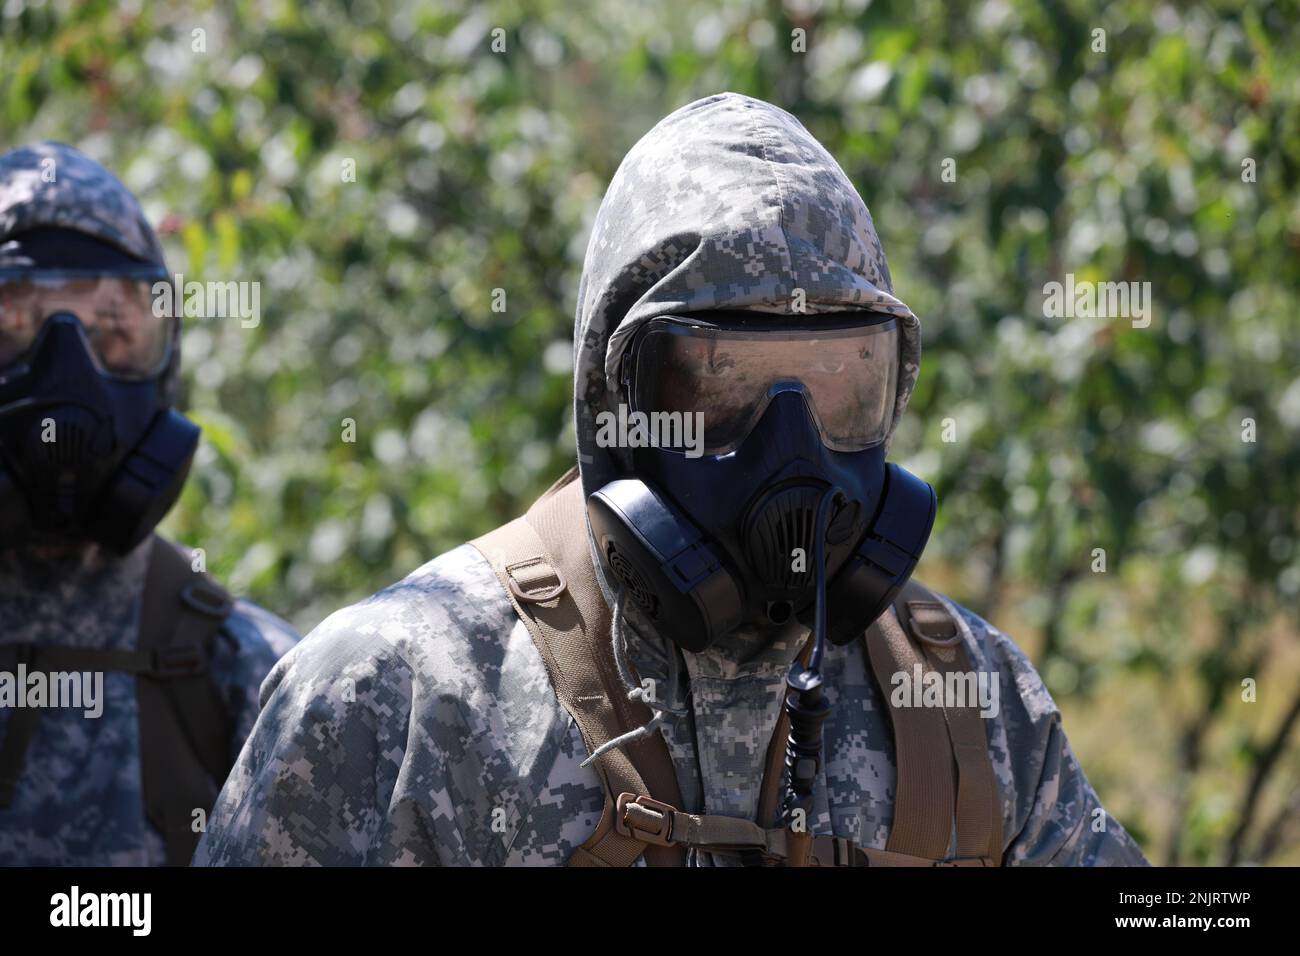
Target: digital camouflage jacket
[(419, 726)]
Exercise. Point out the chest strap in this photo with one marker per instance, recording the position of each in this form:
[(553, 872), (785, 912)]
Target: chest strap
[(657, 823)]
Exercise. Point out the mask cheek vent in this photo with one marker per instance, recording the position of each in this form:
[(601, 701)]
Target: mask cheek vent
[(638, 588)]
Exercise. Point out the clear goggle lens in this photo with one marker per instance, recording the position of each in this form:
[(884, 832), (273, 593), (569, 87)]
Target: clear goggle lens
[(848, 376), (127, 338)]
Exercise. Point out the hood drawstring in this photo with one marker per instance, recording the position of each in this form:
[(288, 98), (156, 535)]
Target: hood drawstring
[(636, 691)]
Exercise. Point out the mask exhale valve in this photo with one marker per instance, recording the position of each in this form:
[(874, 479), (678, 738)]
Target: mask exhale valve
[(807, 708)]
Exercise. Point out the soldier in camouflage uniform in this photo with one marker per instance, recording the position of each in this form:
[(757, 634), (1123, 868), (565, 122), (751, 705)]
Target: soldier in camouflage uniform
[(419, 726), (77, 797)]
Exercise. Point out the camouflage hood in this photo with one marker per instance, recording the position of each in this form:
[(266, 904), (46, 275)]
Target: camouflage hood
[(50, 184), (728, 203)]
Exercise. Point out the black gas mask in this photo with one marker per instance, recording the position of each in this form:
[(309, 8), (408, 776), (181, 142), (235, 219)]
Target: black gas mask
[(90, 449), (756, 445)]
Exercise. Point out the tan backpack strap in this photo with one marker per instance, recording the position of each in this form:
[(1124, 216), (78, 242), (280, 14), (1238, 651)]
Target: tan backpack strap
[(560, 520), (978, 808), (543, 561), (923, 801)]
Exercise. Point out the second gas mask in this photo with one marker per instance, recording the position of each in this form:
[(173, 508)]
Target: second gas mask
[(710, 537), (90, 449)]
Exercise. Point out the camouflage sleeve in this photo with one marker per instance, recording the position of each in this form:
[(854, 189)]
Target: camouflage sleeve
[(248, 645), (1056, 818), (1067, 825), (315, 782)]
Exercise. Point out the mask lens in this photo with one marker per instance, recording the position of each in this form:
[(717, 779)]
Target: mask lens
[(848, 377), (127, 338)]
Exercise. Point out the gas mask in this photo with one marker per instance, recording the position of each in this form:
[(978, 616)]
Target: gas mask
[(788, 462), (90, 449)]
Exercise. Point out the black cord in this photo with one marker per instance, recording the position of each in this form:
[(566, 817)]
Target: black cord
[(819, 555), (805, 704)]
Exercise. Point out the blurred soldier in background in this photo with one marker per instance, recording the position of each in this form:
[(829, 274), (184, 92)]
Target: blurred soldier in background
[(128, 677), (689, 650)]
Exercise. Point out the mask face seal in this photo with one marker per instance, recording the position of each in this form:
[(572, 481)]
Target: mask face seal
[(89, 449), (710, 542)]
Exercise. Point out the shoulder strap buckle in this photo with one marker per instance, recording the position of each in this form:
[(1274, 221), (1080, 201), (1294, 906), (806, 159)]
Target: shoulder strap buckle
[(645, 819), (535, 580), (929, 621)]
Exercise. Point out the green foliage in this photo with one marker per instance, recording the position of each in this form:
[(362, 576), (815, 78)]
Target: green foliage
[(477, 170)]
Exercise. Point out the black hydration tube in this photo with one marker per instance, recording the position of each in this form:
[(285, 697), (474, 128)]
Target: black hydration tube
[(807, 708)]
